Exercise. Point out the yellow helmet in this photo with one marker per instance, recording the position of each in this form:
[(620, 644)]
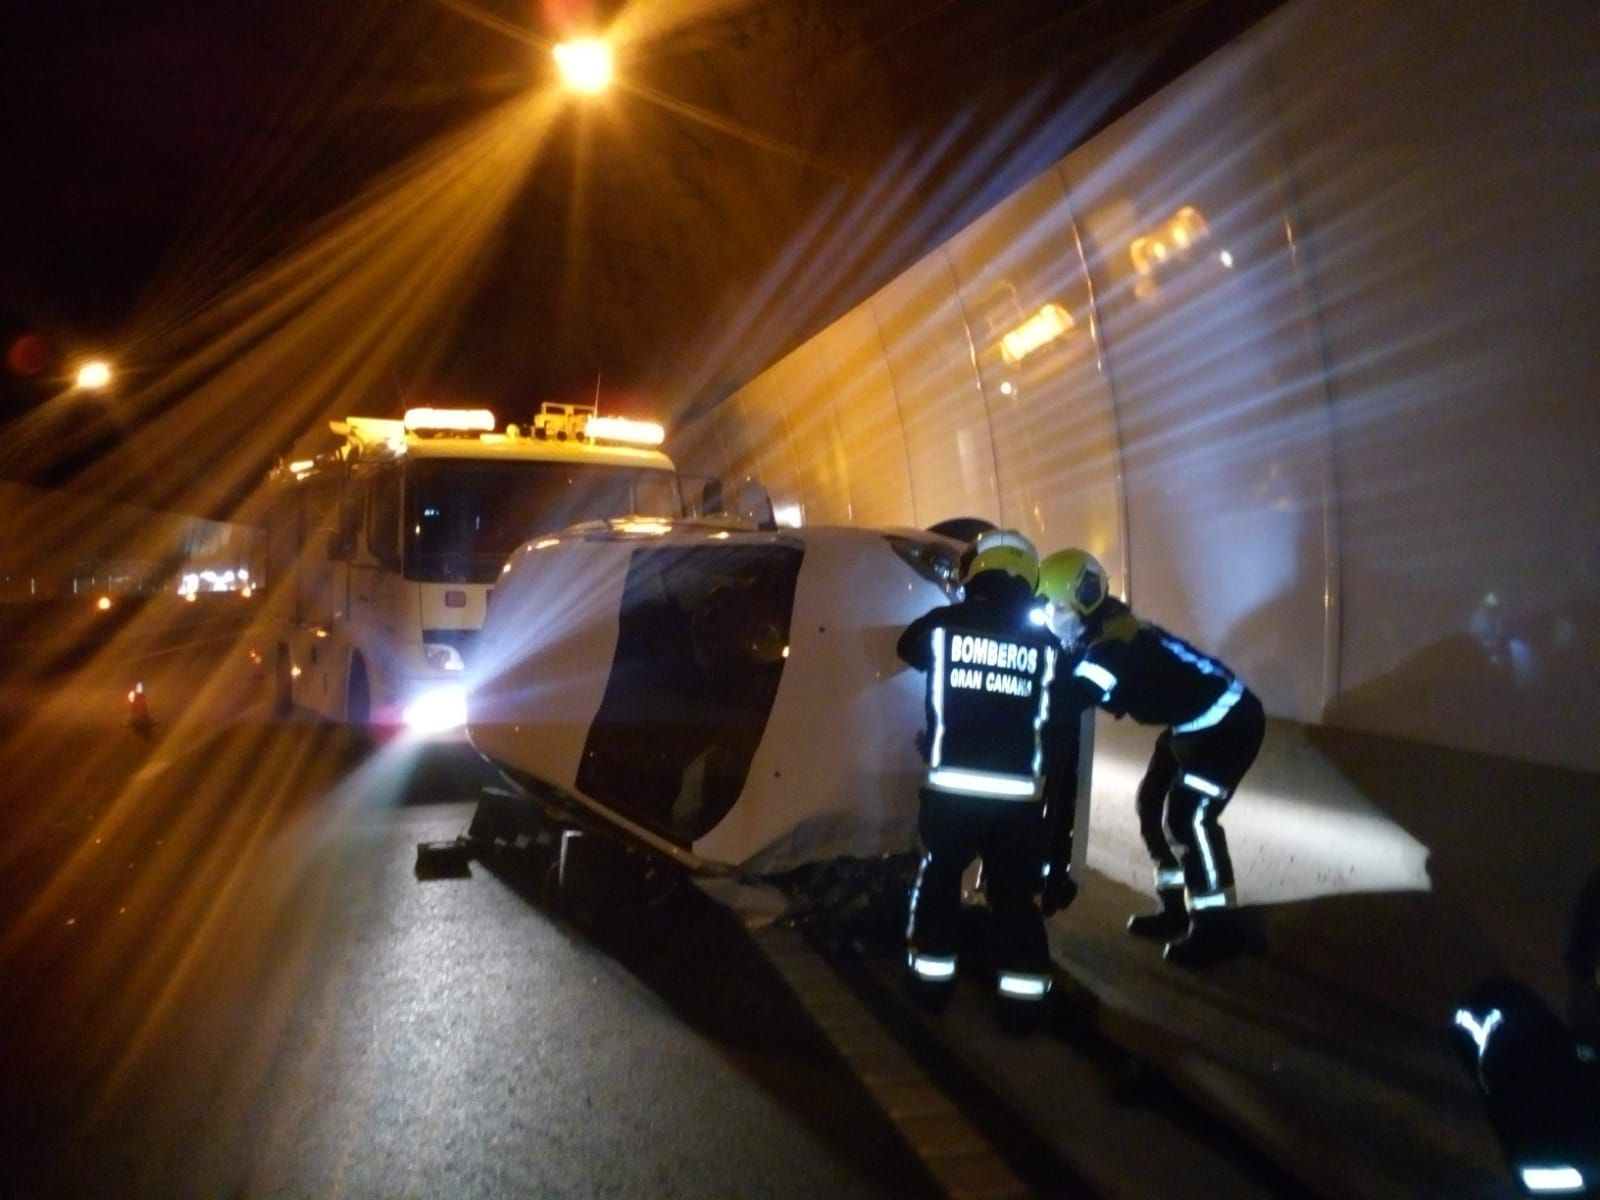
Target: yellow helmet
[(1073, 579), (1003, 550)]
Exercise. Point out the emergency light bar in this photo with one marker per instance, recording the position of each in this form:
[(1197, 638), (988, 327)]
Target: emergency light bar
[(450, 420), (622, 429)]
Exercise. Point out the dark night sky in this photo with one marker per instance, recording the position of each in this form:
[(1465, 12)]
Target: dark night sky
[(160, 155)]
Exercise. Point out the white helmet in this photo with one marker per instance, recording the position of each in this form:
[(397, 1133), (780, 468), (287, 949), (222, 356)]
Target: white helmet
[(1003, 550)]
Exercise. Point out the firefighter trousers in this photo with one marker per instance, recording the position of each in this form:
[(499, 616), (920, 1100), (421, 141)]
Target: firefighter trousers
[(1189, 781), (1010, 838)]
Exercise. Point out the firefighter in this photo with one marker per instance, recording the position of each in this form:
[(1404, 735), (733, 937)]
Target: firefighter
[(1214, 726), (1540, 1078), (989, 667), (1583, 966)]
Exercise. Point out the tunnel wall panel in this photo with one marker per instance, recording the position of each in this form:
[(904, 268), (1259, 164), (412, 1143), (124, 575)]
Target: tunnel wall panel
[(1028, 306), (1218, 386), (805, 391), (761, 408), (1355, 458), (943, 419), (1447, 182), (869, 421)]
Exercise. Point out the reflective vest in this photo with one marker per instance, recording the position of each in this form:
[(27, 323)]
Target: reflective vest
[(988, 700)]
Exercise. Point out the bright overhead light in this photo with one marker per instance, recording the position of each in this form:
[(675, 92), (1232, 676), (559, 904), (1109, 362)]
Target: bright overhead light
[(94, 375), (585, 64)]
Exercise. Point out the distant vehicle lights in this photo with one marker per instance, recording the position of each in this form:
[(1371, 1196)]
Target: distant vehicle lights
[(437, 711), (230, 580)]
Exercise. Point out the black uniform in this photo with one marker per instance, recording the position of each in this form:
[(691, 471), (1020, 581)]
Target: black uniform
[(1214, 729), (1540, 1079), (989, 671)]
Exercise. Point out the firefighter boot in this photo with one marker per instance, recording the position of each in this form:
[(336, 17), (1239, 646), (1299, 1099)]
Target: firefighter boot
[(928, 996), (1213, 936), (929, 981), (1019, 1017), (1169, 922)]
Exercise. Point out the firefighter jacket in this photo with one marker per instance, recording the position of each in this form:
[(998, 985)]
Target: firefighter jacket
[(1136, 669), (989, 670)]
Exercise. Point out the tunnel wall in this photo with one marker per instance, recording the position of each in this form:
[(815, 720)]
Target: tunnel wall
[(1304, 349), (57, 544)]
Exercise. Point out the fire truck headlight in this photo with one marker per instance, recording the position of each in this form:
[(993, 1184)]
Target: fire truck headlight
[(437, 710), (441, 657)]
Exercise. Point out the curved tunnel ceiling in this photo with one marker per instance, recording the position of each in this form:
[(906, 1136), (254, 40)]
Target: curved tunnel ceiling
[(272, 213)]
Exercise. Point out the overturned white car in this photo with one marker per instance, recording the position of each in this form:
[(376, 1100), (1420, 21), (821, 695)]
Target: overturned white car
[(728, 699)]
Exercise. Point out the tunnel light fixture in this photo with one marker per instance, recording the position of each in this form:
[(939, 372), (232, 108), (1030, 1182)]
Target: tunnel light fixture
[(1171, 238), (1045, 326)]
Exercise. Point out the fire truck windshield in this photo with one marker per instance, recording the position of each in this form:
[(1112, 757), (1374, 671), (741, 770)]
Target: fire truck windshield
[(465, 516)]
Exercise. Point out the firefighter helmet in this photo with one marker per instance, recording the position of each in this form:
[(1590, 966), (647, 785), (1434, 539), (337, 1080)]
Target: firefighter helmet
[(1073, 579), (1003, 550)]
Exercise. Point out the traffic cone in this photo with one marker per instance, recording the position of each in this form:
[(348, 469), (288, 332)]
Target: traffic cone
[(139, 711)]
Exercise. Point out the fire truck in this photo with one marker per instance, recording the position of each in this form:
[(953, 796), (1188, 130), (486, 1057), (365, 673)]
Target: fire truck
[(381, 555)]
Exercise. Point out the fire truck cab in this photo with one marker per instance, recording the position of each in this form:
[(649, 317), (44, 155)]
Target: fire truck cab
[(381, 554)]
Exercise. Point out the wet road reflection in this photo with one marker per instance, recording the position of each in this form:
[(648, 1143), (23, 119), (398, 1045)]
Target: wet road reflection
[(222, 976)]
